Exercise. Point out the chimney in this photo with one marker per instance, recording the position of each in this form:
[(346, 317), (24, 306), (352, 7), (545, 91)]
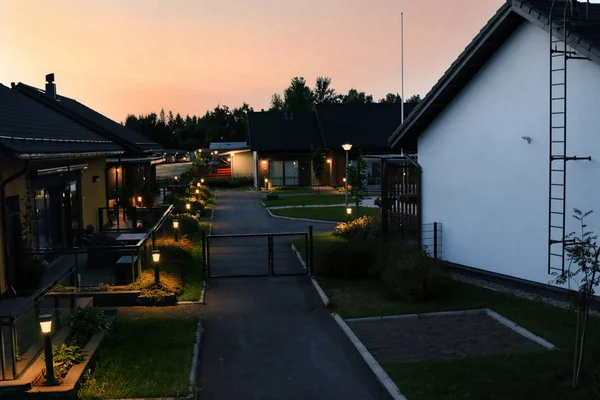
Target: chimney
[(50, 86)]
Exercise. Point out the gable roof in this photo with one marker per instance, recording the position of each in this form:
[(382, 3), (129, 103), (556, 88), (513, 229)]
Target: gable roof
[(278, 130), (30, 130), (582, 36), (127, 138), (366, 126)]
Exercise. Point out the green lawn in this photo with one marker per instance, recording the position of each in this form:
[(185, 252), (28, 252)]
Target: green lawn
[(292, 190), (326, 213), (509, 376), (303, 200), (143, 357)]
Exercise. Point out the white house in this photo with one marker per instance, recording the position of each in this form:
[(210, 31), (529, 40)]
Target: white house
[(483, 140)]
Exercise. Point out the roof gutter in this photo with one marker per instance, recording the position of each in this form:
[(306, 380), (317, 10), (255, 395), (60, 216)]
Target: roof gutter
[(38, 156), (3, 184)]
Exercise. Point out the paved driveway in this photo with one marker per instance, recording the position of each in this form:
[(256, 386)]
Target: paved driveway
[(269, 338)]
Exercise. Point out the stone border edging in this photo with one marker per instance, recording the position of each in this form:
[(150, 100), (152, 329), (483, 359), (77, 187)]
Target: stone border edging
[(486, 311), (195, 356), (381, 375), (300, 219), (318, 288)]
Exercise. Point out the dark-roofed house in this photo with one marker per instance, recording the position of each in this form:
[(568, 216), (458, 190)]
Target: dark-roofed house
[(283, 143), (55, 162), (126, 177), (508, 141)]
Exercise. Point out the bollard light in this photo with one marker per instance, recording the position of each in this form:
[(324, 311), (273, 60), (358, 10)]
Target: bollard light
[(139, 199), (176, 177), (188, 206), (198, 214), (175, 228), (46, 327), (156, 259), (197, 191), (349, 212), (198, 184), (202, 181), (344, 180)]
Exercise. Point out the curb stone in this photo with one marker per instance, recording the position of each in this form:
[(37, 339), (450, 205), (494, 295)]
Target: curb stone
[(381, 375), (195, 355), (318, 288)]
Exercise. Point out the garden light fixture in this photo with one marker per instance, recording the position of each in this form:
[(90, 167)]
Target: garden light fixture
[(346, 148), (188, 206), (46, 327), (197, 191), (139, 200), (176, 177), (175, 228), (329, 161), (198, 184), (202, 181), (156, 259), (349, 212)]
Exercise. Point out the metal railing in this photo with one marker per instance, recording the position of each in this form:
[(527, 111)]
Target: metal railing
[(120, 262)]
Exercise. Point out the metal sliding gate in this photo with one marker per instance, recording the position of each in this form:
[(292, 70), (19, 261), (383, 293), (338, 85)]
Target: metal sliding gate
[(258, 255)]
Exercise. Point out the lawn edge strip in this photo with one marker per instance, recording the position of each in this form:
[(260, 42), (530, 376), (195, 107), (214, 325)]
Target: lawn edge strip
[(195, 356), (379, 372), (318, 288), (421, 315), (300, 219), (520, 330)]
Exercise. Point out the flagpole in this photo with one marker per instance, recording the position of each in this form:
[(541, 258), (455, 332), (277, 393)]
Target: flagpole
[(402, 62)]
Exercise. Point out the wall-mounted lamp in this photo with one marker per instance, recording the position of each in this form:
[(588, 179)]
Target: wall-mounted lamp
[(527, 138)]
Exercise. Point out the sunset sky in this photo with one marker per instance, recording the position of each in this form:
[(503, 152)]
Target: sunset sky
[(136, 56)]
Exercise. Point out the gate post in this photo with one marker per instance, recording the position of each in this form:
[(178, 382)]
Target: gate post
[(270, 252), (204, 254), (207, 257), (435, 240), (310, 253)]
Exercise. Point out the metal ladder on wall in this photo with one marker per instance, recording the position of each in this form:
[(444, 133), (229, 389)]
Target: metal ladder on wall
[(560, 54)]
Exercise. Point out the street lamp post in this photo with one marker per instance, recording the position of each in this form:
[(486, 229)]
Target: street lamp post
[(346, 148), (156, 259), (46, 327)]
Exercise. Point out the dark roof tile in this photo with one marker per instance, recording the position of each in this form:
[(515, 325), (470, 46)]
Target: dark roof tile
[(28, 127)]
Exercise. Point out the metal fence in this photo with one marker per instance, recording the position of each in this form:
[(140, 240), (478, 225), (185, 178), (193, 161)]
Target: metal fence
[(257, 255), (432, 239)]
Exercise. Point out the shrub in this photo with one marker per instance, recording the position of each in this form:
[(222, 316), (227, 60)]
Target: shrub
[(378, 201), (348, 260), (361, 228), (84, 322), (179, 202), (169, 283), (174, 255), (64, 357), (411, 274), (188, 224)]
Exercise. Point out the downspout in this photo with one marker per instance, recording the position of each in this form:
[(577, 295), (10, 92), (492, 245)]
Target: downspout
[(3, 184)]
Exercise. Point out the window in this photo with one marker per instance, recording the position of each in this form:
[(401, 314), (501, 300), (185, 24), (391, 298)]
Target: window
[(284, 173), (57, 214)]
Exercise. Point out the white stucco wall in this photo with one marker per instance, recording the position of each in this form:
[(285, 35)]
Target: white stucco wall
[(242, 164), (488, 186)]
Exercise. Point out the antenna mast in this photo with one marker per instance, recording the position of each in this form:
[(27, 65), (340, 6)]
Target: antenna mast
[(402, 67)]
